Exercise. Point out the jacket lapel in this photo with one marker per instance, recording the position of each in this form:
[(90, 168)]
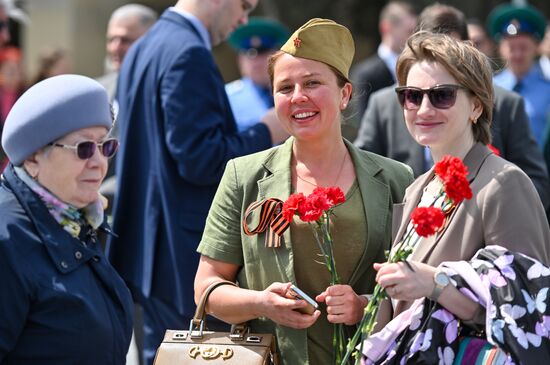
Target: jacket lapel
[(376, 200), (277, 183)]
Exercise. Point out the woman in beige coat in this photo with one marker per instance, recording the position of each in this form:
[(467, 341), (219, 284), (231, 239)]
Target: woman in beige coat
[(447, 96)]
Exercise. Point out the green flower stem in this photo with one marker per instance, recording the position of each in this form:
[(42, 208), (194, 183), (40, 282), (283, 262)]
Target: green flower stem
[(321, 232), (368, 322), (338, 342)]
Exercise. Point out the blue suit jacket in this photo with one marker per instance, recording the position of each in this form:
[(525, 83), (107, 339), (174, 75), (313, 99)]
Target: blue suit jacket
[(177, 132)]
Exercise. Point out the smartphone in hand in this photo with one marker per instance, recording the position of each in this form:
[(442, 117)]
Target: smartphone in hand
[(296, 293)]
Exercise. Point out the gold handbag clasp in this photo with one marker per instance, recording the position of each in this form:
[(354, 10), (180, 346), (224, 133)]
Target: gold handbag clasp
[(210, 352)]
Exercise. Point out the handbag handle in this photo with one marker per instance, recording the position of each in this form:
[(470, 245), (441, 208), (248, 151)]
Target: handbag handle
[(197, 323), (238, 331)]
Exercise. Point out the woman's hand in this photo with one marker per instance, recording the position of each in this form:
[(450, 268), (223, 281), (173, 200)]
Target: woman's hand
[(343, 305), (276, 305), (402, 283)]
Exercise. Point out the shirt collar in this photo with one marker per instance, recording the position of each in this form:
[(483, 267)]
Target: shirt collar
[(203, 32), (508, 79), (389, 57)]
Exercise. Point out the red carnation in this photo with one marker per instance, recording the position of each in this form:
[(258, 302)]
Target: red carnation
[(427, 220), (292, 205), (458, 189), (335, 195), (450, 166), (452, 171), (319, 199), (314, 207)]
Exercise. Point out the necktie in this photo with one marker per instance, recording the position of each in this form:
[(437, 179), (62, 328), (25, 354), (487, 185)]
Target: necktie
[(518, 86)]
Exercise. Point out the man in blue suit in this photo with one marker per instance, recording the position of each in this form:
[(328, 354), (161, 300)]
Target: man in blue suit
[(177, 132)]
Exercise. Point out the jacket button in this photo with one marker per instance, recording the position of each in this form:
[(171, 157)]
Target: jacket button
[(78, 255), (64, 264)]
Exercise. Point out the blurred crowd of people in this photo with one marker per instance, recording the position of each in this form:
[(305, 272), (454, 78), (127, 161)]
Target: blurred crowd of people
[(196, 151)]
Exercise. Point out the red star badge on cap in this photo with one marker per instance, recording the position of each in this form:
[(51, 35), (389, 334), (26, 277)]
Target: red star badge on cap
[(297, 42)]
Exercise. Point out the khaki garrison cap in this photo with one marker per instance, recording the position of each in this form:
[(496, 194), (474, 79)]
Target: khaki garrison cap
[(325, 41)]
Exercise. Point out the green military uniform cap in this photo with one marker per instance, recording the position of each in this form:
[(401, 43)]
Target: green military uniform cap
[(260, 34), (509, 20), (323, 40)]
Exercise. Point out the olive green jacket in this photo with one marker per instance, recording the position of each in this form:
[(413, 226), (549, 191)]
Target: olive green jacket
[(267, 175)]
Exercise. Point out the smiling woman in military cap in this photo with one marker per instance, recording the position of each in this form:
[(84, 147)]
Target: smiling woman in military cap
[(519, 29), (250, 96), (311, 87)]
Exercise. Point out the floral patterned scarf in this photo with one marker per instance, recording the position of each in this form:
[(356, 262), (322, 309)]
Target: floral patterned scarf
[(513, 288), (70, 218)]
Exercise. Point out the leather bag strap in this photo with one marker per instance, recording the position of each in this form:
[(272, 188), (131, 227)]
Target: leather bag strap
[(200, 312), (198, 319)]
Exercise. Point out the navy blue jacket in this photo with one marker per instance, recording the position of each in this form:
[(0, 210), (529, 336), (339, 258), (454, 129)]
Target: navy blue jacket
[(177, 133), (60, 301)]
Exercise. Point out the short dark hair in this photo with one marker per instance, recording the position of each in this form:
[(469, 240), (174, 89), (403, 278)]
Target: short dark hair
[(393, 11), (439, 18)]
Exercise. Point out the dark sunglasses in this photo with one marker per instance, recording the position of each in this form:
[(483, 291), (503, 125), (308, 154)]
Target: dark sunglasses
[(441, 96), (86, 149)]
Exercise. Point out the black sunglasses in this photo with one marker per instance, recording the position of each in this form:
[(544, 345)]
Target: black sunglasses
[(86, 149), (441, 96)]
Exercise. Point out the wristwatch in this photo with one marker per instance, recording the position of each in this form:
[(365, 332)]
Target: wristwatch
[(441, 280)]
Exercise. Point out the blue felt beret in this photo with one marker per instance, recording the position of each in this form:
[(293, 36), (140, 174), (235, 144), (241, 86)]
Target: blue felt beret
[(51, 109)]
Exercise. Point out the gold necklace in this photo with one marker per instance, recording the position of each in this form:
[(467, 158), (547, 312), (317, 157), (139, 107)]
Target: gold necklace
[(337, 176)]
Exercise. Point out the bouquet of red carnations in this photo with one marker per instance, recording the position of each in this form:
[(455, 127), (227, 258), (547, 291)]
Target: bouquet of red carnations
[(425, 221), (317, 208)]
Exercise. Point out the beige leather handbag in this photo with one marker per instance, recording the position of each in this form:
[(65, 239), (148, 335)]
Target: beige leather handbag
[(197, 346)]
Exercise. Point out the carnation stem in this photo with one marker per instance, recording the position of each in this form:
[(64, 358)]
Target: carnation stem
[(324, 241), (365, 326), (453, 173)]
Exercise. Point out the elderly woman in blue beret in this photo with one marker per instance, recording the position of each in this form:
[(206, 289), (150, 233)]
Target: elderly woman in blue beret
[(61, 302)]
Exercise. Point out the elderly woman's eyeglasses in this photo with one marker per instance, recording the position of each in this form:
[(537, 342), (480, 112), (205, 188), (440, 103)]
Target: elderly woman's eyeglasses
[(86, 149), (441, 96)]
